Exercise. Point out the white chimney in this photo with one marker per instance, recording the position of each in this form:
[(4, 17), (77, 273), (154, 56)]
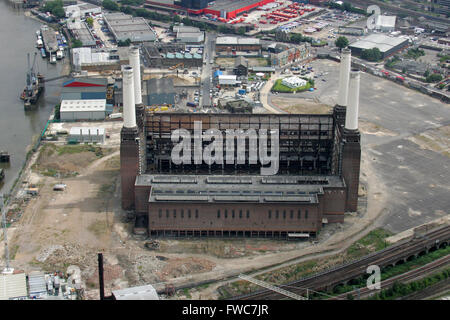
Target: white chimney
[(135, 63), (351, 117), (344, 74), (129, 113)]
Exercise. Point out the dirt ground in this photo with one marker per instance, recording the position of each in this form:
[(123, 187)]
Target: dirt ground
[(300, 105), (437, 140)]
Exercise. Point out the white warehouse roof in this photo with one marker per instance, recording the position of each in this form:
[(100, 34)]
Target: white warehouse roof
[(380, 41), (13, 286), (136, 293), (83, 105), (86, 131), (235, 40), (88, 56), (385, 21)]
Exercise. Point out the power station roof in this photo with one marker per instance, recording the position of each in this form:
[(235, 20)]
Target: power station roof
[(206, 188)]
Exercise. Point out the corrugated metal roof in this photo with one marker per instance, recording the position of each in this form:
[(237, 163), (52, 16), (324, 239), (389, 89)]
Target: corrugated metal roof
[(13, 286), (136, 293), (85, 131), (386, 21), (83, 105), (36, 283)]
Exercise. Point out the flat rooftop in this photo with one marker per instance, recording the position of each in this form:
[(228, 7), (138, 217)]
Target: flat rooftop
[(380, 41), (231, 5), (236, 41), (83, 105), (206, 188), (125, 26)]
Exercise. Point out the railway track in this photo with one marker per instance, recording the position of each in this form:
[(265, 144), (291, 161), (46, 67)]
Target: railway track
[(404, 277), (327, 279)]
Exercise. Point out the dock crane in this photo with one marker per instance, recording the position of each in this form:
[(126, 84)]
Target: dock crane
[(34, 84)]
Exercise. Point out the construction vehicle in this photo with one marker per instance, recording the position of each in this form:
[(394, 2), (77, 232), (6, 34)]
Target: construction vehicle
[(152, 245), (181, 64)]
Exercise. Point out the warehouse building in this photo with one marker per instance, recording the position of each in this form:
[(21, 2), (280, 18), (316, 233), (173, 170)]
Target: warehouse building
[(146, 292), (240, 66), (168, 55), (387, 45), (228, 80), (75, 110), (81, 32), (86, 135), (190, 37), (91, 59), (229, 9), (124, 26), (84, 89), (229, 44), (281, 55), (13, 286), (82, 9)]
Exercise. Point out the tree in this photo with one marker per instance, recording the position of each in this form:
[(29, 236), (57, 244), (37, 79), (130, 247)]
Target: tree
[(435, 77), (77, 43), (110, 5), (125, 43), (241, 31), (341, 42), (57, 112), (373, 54), (90, 21), (55, 8)]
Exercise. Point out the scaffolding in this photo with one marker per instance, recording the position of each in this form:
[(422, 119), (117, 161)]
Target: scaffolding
[(306, 142)]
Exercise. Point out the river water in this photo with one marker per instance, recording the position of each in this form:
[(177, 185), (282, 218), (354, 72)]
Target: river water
[(17, 126)]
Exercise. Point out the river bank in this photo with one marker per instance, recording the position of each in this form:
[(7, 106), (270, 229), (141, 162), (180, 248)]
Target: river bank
[(19, 129)]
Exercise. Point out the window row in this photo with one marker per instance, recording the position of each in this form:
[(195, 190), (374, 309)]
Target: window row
[(284, 214), (174, 213), (233, 214)]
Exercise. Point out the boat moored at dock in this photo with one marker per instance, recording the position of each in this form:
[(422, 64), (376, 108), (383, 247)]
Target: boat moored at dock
[(4, 156)]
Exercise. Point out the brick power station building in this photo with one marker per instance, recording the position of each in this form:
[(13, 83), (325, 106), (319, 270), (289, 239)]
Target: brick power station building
[(317, 180)]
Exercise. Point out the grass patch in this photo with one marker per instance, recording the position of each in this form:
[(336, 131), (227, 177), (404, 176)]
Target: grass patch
[(13, 251), (373, 241), (187, 293), (279, 87), (73, 149)]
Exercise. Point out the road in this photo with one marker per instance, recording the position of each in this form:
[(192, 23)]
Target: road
[(208, 53)]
